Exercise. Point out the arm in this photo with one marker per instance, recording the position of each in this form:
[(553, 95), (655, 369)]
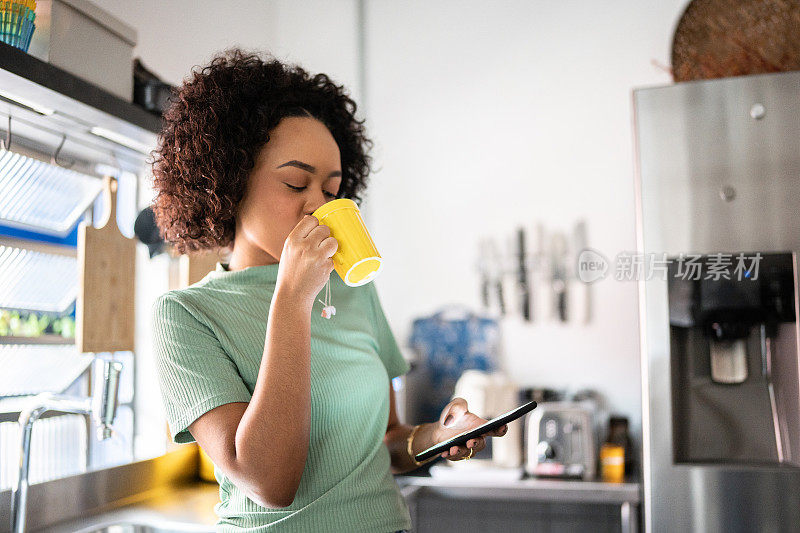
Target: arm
[(262, 445), (396, 439)]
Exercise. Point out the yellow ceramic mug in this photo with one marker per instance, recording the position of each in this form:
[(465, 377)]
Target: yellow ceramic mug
[(357, 261)]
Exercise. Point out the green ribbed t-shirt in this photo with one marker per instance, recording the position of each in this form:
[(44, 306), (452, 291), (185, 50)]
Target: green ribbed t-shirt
[(209, 341)]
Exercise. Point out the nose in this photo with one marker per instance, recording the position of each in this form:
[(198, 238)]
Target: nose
[(315, 201)]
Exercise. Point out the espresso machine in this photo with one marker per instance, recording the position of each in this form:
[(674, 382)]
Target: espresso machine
[(718, 190)]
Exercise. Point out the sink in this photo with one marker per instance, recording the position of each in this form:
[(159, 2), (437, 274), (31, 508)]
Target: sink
[(186, 508), (156, 527)]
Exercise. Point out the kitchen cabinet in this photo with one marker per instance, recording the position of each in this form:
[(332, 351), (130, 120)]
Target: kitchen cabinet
[(444, 506)]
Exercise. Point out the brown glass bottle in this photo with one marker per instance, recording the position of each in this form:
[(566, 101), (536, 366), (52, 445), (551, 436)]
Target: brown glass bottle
[(618, 434)]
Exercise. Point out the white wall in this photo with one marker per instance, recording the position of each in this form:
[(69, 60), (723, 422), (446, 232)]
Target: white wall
[(176, 35), (486, 116), (493, 115)]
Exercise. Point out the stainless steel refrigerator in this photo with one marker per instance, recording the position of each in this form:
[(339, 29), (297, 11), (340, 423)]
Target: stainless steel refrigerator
[(718, 229)]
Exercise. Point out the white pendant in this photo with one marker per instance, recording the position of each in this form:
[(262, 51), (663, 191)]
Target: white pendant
[(328, 311)]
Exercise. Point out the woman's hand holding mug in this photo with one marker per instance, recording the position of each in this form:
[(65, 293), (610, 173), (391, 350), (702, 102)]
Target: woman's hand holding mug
[(305, 262)]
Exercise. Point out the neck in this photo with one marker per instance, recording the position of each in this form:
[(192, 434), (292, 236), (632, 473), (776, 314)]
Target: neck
[(246, 254)]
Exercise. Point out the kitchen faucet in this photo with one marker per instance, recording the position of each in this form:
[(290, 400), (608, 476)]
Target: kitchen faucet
[(102, 406)]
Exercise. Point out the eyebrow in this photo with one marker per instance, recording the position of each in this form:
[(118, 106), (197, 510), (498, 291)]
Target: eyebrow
[(307, 168)]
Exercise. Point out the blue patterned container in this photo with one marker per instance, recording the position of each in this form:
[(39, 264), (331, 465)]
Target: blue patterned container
[(446, 347)]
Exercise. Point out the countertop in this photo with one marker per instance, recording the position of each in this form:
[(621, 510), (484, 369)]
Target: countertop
[(190, 507), (530, 489)]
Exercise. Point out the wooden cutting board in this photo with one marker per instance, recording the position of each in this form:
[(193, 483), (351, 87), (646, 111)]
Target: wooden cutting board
[(106, 269)]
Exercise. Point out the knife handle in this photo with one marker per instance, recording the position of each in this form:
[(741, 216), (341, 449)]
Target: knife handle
[(501, 300), (562, 306)]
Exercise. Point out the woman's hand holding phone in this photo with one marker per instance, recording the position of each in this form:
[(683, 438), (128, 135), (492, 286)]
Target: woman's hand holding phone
[(455, 419)]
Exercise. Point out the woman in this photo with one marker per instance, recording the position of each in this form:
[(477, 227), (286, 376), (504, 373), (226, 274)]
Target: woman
[(295, 411)]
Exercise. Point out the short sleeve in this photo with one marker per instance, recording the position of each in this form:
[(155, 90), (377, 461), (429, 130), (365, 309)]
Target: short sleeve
[(388, 350), (195, 374)]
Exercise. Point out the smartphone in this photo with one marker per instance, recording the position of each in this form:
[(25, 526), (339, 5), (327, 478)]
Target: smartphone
[(462, 438)]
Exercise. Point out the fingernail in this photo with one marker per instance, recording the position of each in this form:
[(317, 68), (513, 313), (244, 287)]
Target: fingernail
[(448, 420)]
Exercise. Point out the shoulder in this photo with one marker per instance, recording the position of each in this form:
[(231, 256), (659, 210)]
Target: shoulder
[(373, 304), (178, 322), (369, 291), (191, 298), (369, 297), (173, 300), (170, 316), (185, 304)]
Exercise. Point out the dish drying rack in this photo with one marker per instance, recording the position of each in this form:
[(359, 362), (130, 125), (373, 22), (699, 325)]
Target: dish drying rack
[(40, 199)]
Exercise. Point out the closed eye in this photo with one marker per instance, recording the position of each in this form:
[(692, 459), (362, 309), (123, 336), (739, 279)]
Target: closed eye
[(298, 189)]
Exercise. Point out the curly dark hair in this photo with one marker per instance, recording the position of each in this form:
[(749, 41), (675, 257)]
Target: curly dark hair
[(217, 122)]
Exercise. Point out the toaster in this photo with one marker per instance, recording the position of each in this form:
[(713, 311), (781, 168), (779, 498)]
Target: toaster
[(560, 441)]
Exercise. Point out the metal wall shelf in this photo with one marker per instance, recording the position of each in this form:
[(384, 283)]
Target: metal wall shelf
[(49, 85), (54, 113)]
